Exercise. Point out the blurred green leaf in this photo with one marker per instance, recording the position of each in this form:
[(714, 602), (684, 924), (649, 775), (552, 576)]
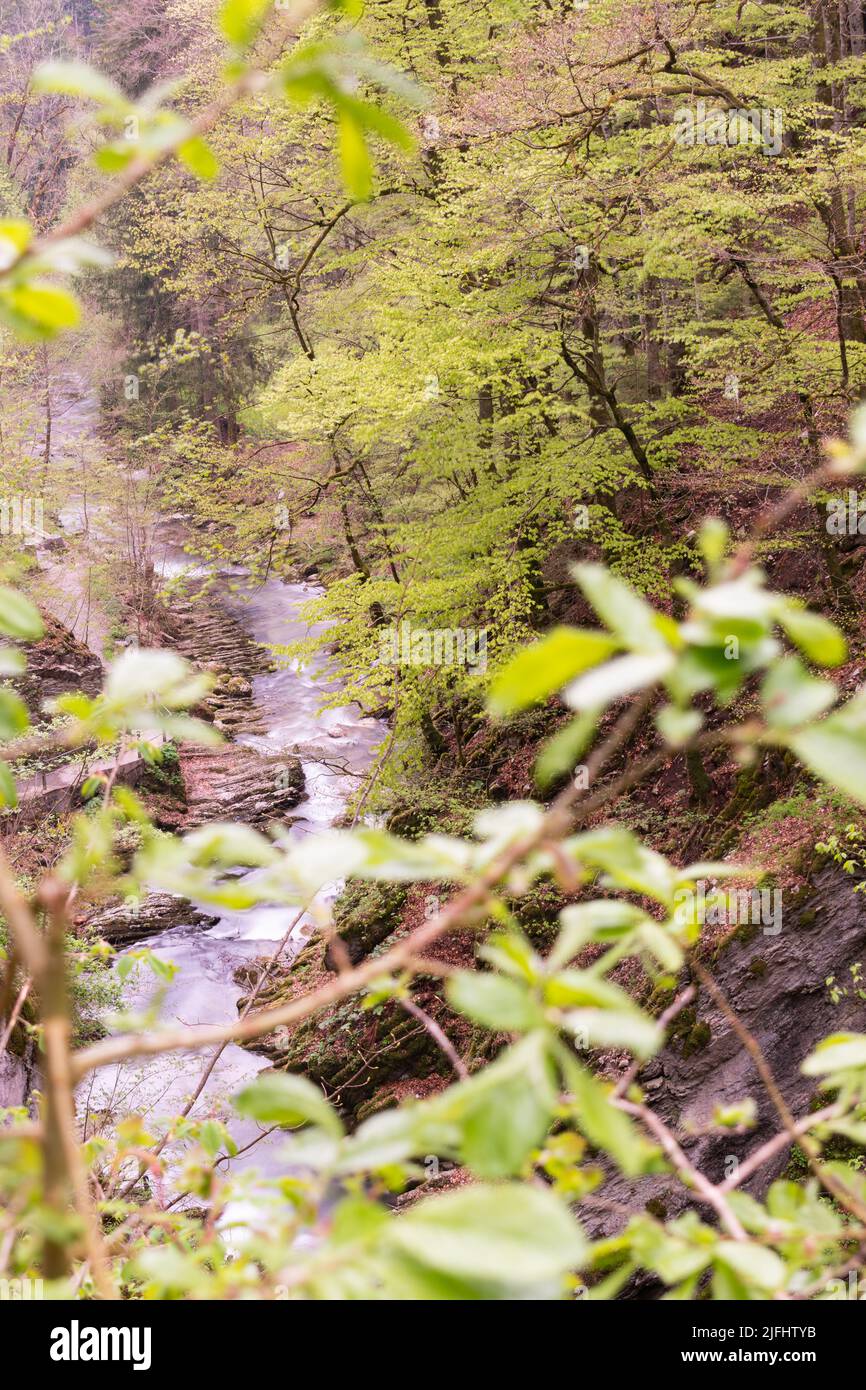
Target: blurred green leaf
[(510, 1234), (18, 617), (544, 668), (279, 1098)]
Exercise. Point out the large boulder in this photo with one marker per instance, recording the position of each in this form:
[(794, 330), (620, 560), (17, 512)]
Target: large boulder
[(123, 921), (237, 783)]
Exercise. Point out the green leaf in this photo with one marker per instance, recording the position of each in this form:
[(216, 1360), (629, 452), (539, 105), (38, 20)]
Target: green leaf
[(504, 1111), (753, 1264), (113, 157), (154, 677), (355, 162), (584, 987), (357, 1219), (657, 941), (13, 714), (12, 663), (737, 605), (499, 1003), (18, 617), (836, 754), (629, 863), (677, 726), (603, 920), (182, 729), (675, 1253), (15, 237), (544, 668), (839, 1052), (212, 1135), (374, 118), (37, 310), (512, 1234), (615, 1028), (390, 1137), (199, 158), (512, 954), (279, 1098), (818, 638), (606, 1127), (77, 80), (624, 612), (712, 541), (622, 676), (71, 255), (241, 20), (568, 744), (8, 792), (224, 842), (792, 697)]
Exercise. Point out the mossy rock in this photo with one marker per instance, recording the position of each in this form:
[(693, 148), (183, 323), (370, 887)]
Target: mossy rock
[(538, 913), (692, 1033), (746, 932), (353, 1052), (164, 774), (365, 914)]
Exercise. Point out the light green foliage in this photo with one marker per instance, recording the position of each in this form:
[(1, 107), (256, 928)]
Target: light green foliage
[(486, 1242), (463, 491)]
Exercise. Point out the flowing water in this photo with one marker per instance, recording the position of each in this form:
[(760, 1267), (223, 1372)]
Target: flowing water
[(204, 990)]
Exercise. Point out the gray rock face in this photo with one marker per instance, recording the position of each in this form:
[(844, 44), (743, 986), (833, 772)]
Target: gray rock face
[(55, 665), (205, 631), (237, 783), (125, 921), (16, 1081), (776, 986)]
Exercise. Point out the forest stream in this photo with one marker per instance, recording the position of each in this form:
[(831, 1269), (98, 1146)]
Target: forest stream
[(204, 990), (287, 701)]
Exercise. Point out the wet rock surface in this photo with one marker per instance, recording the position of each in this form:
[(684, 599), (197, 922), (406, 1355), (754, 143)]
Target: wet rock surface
[(777, 987), (203, 630), (366, 1060), (17, 1077), (121, 922), (57, 664), (231, 782), (237, 783)]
